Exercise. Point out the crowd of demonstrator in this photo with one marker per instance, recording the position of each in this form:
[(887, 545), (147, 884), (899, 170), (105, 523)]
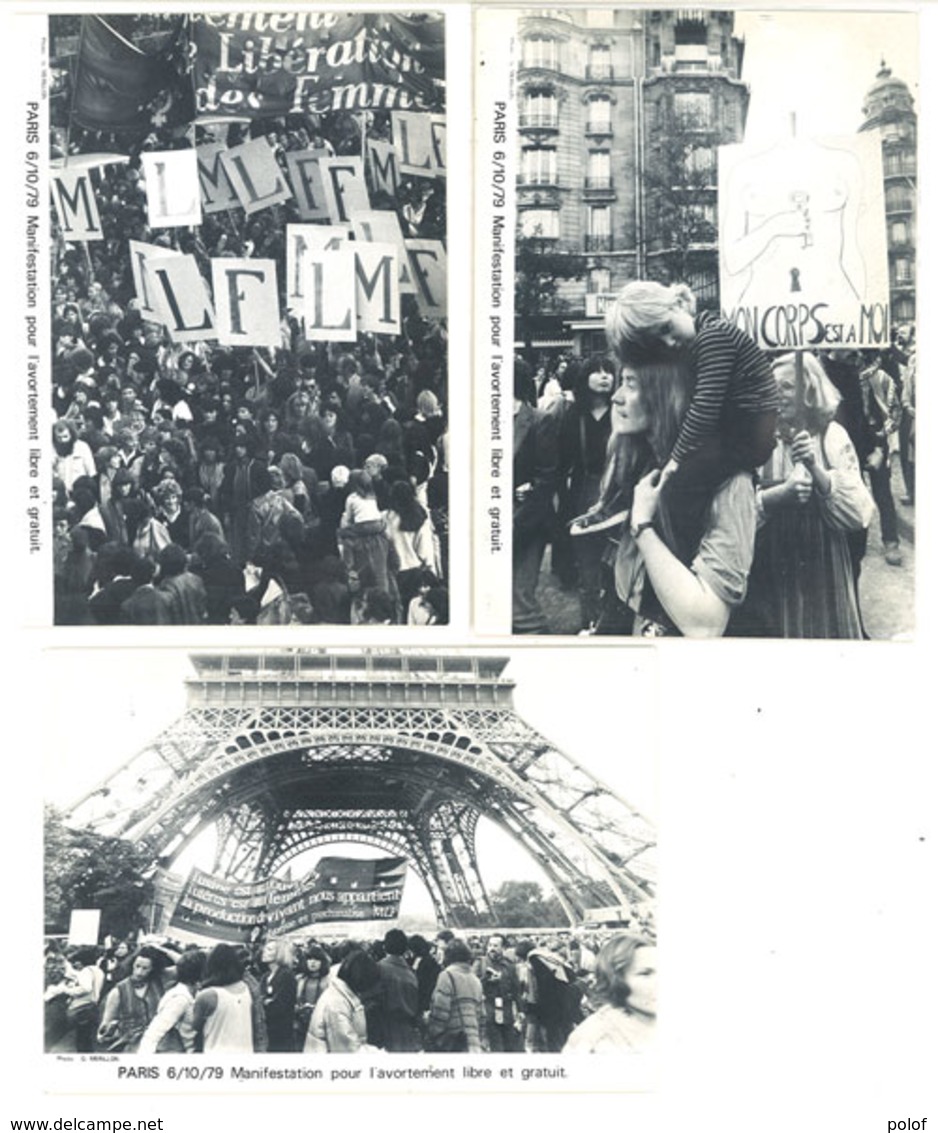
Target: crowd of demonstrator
[(195, 483), (562, 992)]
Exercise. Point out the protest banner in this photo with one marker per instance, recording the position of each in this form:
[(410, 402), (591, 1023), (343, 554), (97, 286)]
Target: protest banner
[(802, 243)]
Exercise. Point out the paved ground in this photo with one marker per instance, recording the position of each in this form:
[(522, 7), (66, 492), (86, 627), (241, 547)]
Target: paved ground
[(887, 593)]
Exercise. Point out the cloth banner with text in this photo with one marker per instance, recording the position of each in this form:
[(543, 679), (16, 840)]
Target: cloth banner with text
[(338, 889)]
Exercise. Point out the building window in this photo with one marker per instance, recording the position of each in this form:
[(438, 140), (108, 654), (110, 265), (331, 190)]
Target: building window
[(599, 281), (599, 170), (899, 232), (692, 109), (898, 198), (539, 165), (543, 223), (599, 228), (599, 68), (699, 223), (700, 164), (539, 51), (904, 272), (904, 311), (599, 115), (539, 109)]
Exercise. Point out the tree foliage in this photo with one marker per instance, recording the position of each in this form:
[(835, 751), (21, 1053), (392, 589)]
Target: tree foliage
[(84, 870), (523, 903), (539, 264)]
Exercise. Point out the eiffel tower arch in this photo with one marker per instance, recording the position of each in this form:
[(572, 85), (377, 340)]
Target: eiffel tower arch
[(283, 751)]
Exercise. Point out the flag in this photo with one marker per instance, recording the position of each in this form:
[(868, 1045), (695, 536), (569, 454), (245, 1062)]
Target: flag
[(119, 88)]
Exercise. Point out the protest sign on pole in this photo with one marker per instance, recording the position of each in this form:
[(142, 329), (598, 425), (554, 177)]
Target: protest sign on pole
[(84, 926), (246, 302), (428, 272), (803, 260), (218, 192), (172, 183), (377, 288), (182, 297), (304, 238), (145, 284), (255, 175), (413, 143), (343, 180), (75, 205), (306, 179), (383, 226), (328, 303)]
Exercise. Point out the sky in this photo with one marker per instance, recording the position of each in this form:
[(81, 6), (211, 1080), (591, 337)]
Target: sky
[(820, 65), (585, 701)]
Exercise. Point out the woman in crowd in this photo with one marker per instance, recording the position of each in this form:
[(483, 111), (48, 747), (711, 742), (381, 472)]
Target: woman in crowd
[(626, 994), (457, 1006), (584, 437), (171, 1030), (411, 534), (222, 1013), (339, 1024), (279, 992), (812, 494), (311, 982), (682, 562)]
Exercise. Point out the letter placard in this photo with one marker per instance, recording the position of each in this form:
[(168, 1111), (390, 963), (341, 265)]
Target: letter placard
[(438, 144), (412, 142), (343, 181), (428, 271), (182, 297), (145, 283), (246, 302), (382, 165), (301, 240), (217, 191), (172, 181), (306, 179), (377, 291), (329, 307), (257, 178), (75, 205), (383, 226)]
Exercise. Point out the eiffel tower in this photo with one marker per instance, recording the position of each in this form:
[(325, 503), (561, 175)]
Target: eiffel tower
[(285, 750)]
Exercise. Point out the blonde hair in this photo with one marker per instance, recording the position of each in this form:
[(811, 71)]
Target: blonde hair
[(641, 314), (820, 395)]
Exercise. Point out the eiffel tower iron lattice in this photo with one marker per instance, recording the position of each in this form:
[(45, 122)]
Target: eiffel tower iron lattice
[(283, 751)]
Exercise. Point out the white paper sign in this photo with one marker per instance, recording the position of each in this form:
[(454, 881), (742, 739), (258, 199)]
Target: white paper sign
[(257, 178), (246, 302), (148, 296), (383, 226), (301, 240), (377, 290), (330, 290), (172, 182), (343, 181), (75, 205), (217, 191), (182, 297), (306, 179), (428, 272)]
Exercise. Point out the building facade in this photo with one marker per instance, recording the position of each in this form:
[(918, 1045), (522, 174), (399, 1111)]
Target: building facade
[(619, 115), (888, 110)]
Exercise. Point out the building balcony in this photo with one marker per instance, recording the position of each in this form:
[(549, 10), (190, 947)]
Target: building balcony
[(597, 243), (537, 180), (599, 72), (598, 186), (536, 120), (599, 129)]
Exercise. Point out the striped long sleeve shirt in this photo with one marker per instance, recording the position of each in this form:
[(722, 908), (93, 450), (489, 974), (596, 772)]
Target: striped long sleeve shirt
[(733, 379)]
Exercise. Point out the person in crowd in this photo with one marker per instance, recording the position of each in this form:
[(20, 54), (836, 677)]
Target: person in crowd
[(534, 472), (279, 991), (411, 533), (224, 1010), (585, 427), (400, 997), (729, 424), (681, 564), (502, 996), (426, 968), (456, 1020), (171, 1029), (883, 411), (311, 982), (625, 995), (812, 493), (339, 1024), (132, 1002)]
